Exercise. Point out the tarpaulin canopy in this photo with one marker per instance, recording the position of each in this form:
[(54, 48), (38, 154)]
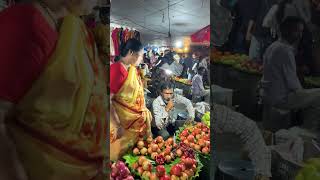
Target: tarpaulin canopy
[(201, 37)]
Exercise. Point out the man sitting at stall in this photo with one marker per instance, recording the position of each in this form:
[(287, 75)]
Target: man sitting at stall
[(165, 113), (281, 85), (199, 93)]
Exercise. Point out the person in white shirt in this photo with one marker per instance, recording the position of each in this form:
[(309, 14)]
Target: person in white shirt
[(164, 111), (280, 83), (198, 90)]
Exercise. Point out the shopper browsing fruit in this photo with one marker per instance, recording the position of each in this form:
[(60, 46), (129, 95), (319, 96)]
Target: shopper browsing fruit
[(130, 119), (164, 110)]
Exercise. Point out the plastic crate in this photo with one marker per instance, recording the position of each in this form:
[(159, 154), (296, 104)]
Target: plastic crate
[(283, 169)]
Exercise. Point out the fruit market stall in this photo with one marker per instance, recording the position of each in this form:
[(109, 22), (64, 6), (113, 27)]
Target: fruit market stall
[(183, 84), (184, 156), (238, 72)]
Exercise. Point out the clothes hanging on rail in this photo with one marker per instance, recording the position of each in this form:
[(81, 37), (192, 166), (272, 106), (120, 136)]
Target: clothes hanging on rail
[(119, 36)]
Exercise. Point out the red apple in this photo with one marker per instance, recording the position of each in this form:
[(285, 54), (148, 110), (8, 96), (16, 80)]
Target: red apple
[(182, 166), (140, 170), (188, 163), (165, 177), (161, 171), (185, 133), (176, 170), (170, 141), (167, 151), (197, 131), (205, 150), (190, 138), (159, 139)]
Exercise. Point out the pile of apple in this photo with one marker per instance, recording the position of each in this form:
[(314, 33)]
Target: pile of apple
[(119, 170), (158, 149), (251, 66), (197, 137), (184, 170), (143, 167)]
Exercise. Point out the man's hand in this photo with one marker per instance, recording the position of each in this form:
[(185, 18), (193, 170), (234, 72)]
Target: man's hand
[(169, 106)]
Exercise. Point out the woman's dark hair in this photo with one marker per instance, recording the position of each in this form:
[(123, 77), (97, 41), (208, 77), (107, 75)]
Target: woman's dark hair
[(166, 85), (133, 45), (281, 10), (116, 59), (289, 25)]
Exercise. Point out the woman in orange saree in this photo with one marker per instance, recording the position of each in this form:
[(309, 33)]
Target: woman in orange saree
[(130, 119), (59, 123)]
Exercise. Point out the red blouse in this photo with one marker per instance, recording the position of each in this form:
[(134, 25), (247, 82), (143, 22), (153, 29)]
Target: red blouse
[(118, 74), (27, 42)]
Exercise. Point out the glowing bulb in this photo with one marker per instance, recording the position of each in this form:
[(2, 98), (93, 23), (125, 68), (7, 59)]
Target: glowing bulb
[(178, 44), (168, 71)]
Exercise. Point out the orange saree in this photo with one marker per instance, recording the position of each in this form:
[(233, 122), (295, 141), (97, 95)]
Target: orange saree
[(134, 117), (60, 128)]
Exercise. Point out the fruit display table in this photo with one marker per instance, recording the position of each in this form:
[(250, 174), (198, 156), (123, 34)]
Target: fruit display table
[(185, 85), (239, 73), (159, 159), (244, 86)]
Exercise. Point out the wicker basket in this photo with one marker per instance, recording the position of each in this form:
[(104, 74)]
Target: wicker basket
[(283, 169)]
